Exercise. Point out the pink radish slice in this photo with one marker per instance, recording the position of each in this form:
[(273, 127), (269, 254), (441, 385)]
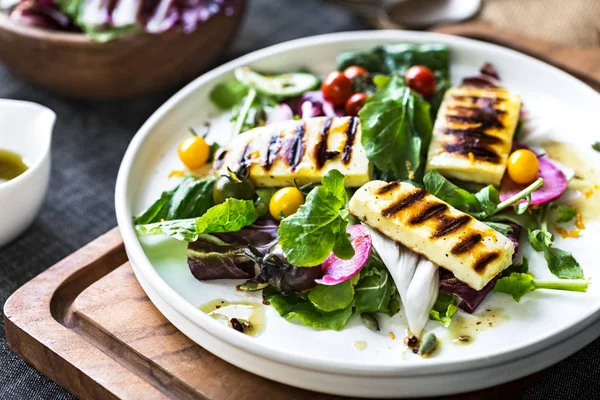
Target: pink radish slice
[(336, 270), (555, 183)]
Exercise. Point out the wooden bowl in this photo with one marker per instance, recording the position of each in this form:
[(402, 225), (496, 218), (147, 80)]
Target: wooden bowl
[(73, 65)]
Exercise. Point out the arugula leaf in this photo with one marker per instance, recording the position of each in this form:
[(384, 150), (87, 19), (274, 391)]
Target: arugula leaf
[(319, 226), (523, 268), (526, 221), (564, 213), (518, 284), (562, 263), (444, 308), (376, 292), (540, 239), (230, 216), (226, 95), (520, 208), (396, 131), (332, 297), (191, 198), (489, 199)]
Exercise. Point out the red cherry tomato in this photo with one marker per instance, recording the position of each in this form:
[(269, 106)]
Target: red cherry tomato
[(336, 88), (355, 103), (354, 71), (420, 79)]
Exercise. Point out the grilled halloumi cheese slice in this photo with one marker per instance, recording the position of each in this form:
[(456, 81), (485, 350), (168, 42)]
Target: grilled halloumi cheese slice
[(303, 150), (473, 134), (449, 238)]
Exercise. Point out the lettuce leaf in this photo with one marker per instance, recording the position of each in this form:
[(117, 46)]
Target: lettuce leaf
[(190, 199), (331, 306), (319, 226), (518, 284), (444, 308), (396, 131), (230, 216)]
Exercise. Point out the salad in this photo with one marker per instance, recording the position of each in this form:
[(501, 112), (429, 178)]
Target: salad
[(377, 187), (107, 20)]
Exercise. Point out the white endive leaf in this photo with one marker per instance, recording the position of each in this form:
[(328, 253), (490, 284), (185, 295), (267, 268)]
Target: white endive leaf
[(415, 277)]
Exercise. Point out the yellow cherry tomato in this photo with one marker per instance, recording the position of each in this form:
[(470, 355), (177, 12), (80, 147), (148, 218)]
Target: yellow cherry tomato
[(523, 166), (285, 201), (194, 152)]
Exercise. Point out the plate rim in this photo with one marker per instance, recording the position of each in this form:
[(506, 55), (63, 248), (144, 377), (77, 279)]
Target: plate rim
[(406, 368)]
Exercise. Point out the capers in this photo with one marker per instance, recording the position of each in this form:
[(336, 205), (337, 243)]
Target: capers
[(370, 321), (428, 344)]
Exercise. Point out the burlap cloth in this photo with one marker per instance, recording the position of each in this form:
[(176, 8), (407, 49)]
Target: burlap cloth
[(573, 22)]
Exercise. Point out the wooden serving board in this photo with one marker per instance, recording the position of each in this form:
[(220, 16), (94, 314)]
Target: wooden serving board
[(87, 324)]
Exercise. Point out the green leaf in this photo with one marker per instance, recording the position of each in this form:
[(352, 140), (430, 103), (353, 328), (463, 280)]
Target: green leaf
[(489, 199), (191, 198), (526, 221), (457, 197), (596, 146), (376, 291), (504, 229), (516, 284), (564, 213), (520, 208), (319, 226), (540, 239), (332, 297), (444, 308), (296, 307), (230, 216), (523, 268), (226, 95), (396, 131), (562, 263)]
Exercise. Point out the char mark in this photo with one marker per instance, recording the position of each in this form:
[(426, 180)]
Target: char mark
[(475, 111), (403, 203), (296, 150), (479, 152), (272, 151), (389, 187), (466, 244), (350, 136), (322, 155), (484, 261), (245, 159), (449, 225), (220, 158), (482, 102), (429, 212), (486, 116), (474, 135)]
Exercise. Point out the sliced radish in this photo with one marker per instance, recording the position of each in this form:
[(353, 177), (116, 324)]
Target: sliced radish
[(555, 183), (336, 270)]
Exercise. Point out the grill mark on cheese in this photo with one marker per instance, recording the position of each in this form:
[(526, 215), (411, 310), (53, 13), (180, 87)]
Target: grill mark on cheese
[(467, 244), (389, 187), (481, 136), (485, 117), (272, 151), (464, 147), (322, 155), (429, 212), (220, 158), (449, 225), (403, 203), (350, 136), (296, 150), (477, 110), (479, 101), (245, 159), (484, 261)]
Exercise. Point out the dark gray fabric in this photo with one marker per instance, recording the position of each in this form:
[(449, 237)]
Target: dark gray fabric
[(89, 141)]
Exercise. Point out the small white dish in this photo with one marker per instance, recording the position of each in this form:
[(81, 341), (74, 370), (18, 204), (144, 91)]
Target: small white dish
[(25, 129)]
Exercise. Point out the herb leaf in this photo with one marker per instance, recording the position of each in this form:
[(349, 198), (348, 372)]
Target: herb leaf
[(540, 239), (562, 263), (319, 226), (596, 146), (227, 94), (518, 284), (444, 308), (230, 216), (564, 213), (332, 297), (191, 198), (396, 131)]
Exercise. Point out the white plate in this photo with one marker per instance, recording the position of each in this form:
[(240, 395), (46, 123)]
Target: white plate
[(534, 333)]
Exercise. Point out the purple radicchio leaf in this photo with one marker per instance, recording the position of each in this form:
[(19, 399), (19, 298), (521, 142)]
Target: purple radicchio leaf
[(470, 298), (41, 14), (488, 78), (312, 104), (222, 255)]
